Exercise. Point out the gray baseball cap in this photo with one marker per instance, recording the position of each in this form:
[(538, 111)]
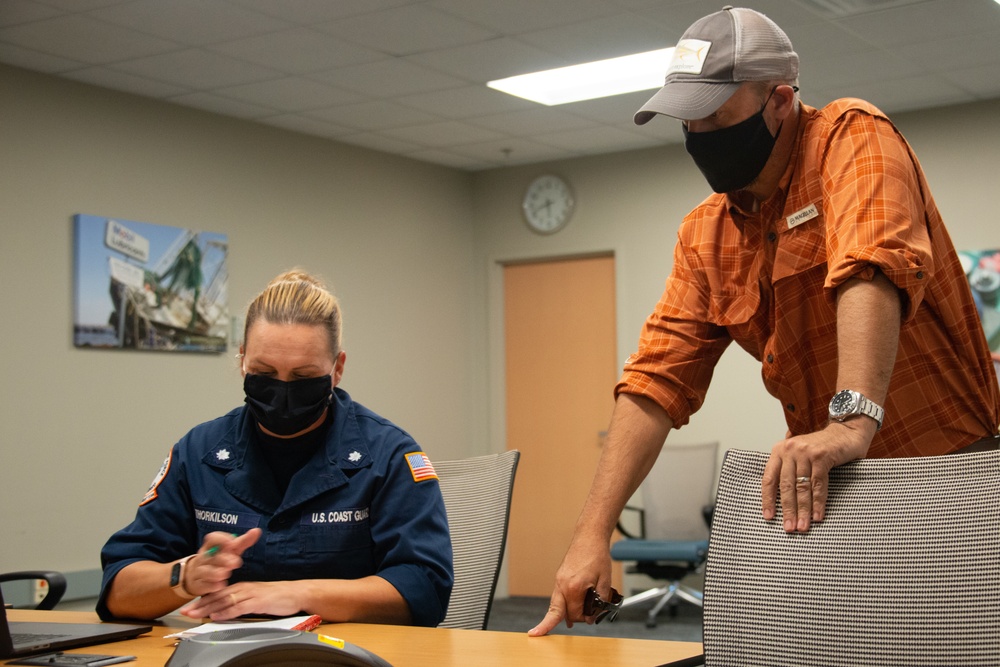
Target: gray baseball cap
[(714, 56)]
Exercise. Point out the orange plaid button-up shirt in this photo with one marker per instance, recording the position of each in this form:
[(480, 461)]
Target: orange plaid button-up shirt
[(853, 199)]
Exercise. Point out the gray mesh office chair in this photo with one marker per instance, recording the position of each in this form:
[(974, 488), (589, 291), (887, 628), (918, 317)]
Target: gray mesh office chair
[(904, 569), (477, 494), (672, 541)]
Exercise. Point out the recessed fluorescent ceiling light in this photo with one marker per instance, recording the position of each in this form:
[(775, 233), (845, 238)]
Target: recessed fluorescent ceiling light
[(587, 81)]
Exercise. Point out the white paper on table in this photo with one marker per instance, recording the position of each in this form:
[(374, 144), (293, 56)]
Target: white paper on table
[(290, 623)]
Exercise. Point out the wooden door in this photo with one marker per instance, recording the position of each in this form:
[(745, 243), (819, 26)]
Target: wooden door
[(559, 323)]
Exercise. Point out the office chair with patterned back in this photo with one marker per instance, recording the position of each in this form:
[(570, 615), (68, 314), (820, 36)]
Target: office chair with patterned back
[(477, 494), (903, 570), (672, 540)]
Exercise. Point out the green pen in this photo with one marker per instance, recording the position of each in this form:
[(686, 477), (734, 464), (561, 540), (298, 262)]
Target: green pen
[(211, 551)]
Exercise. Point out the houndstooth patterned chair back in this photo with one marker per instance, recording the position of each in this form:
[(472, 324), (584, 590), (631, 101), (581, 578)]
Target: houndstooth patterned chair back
[(904, 569)]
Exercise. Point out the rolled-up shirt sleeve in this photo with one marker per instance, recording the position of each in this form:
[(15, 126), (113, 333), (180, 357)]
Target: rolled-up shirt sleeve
[(679, 345), (875, 209)]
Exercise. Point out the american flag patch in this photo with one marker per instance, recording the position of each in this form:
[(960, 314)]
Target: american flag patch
[(420, 467)]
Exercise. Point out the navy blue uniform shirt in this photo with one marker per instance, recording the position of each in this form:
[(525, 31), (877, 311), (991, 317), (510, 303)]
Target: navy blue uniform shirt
[(364, 504)]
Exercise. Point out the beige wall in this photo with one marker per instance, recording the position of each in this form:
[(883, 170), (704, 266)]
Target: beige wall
[(84, 431), (412, 250)]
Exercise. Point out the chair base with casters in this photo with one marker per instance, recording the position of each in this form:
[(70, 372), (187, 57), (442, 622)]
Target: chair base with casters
[(667, 537), (663, 560)]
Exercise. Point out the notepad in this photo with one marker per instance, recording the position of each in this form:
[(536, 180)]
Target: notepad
[(304, 623)]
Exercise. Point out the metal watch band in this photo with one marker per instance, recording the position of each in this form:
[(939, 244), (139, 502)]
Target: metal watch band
[(871, 409)]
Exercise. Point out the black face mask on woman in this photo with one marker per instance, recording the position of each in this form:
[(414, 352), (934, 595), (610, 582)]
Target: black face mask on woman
[(285, 408), (732, 157)]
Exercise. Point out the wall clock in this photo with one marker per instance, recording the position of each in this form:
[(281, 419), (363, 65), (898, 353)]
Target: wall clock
[(548, 204)]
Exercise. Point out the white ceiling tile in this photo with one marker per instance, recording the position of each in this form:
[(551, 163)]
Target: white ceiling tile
[(79, 5), (512, 17), (617, 110), (300, 123), (661, 129), (489, 60), (191, 22), (596, 140), (449, 159), (854, 68), (508, 152), (925, 21), (907, 93), (35, 60), (980, 82), (597, 39), (445, 133), (952, 55), (137, 85), (259, 55), (466, 102), (24, 11), (297, 51), (223, 105), (82, 38), (531, 121), (380, 142), (394, 31), (824, 41), (290, 94), (392, 77), (310, 12), (198, 69), (378, 114)]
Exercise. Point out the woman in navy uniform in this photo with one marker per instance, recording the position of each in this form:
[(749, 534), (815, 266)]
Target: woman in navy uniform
[(300, 501)]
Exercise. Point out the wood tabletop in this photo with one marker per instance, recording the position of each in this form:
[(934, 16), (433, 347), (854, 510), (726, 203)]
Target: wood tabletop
[(418, 647)]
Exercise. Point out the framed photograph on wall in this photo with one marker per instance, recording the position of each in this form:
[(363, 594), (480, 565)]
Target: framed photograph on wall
[(142, 286), (982, 267), (983, 270)]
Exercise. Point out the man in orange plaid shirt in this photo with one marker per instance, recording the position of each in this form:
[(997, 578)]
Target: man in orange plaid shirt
[(824, 256)]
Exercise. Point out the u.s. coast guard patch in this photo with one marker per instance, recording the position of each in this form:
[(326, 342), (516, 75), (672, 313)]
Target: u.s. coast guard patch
[(151, 494)]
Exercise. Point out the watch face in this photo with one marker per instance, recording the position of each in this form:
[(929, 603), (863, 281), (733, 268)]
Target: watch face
[(175, 574), (548, 204), (844, 403)]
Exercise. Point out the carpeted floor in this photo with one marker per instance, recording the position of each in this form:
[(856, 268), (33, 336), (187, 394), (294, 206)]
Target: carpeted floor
[(520, 614)]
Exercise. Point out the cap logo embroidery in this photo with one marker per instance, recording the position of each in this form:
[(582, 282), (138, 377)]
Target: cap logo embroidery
[(689, 56)]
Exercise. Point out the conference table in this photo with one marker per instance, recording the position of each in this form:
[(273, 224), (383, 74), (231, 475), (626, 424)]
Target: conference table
[(404, 646)]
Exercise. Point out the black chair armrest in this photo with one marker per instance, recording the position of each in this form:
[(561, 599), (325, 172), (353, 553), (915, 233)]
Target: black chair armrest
[(707, 511), (631, 534), (55, 580)]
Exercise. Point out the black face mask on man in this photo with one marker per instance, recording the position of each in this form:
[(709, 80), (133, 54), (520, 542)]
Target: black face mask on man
[(732, 157), (285, 408)]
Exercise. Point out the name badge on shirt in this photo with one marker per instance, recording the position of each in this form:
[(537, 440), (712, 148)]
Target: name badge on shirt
[(218, 519), (797, 218)]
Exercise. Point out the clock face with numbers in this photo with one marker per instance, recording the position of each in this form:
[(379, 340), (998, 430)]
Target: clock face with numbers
[(548, 204)]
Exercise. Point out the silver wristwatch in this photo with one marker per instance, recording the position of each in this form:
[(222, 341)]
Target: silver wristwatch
[(848, 403)]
